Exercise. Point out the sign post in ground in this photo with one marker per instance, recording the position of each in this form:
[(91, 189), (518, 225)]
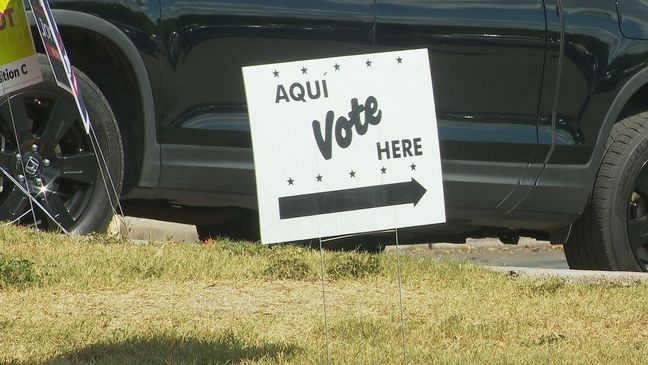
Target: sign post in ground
[(345, 145)]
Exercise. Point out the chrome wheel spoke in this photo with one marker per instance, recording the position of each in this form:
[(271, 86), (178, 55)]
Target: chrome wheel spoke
[(81, 167), (16, 119), (14, 205), (57, 210), (45, 149), (59, 122)]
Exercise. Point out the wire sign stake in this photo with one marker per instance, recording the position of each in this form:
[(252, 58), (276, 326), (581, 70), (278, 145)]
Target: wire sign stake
[(327, 340), (345, 145), (400, 295)]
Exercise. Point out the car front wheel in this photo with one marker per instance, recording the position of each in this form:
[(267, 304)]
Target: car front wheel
[(44, 148)]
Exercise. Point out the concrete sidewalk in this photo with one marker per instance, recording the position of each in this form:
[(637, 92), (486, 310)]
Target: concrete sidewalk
[(491, 252), (577, 276)]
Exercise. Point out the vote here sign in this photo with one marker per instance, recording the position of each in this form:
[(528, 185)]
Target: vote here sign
[(345, 145), (19, 66)]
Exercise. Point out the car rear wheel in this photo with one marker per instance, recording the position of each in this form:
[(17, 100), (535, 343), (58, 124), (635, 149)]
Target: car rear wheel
[(43, 146), (613, 232)]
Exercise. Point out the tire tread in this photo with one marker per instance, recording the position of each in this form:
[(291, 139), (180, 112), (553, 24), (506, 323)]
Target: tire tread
[(590, 245)]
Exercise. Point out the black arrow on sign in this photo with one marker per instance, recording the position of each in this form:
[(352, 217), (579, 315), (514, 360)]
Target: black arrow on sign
[(339, 201)]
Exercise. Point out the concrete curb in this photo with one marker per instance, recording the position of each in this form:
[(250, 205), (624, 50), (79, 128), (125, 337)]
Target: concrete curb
[(148, 229), (577, 276)]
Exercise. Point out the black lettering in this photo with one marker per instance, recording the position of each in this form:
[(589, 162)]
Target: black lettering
[(418, 147), (344, 127), (354, 117), (325, 87), (343, 132), (384, 150), (46, 33), (396, 149), (325, 143), (371, 107), (312, 95), (23, 68), (407, 148), (302, 92), (7, 74), (282, 94)]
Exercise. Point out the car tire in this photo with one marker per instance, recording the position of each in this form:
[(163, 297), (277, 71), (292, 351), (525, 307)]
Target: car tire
[(74, 191), (612, 234)]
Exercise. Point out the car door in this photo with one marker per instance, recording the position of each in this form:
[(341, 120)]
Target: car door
[(203, 98), (487, 59)]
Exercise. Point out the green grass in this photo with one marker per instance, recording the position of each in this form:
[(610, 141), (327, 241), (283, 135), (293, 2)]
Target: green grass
[(17, 273), (102, 300)]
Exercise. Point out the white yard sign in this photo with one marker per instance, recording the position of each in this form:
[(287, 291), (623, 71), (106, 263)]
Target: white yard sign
[(345, 145)]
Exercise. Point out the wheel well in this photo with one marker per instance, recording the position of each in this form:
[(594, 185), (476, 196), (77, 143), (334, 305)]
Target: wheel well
[(108, 67), (637, 104)]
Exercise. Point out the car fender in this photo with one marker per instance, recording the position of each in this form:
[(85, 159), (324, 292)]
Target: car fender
[(636, 82), (150, 173)]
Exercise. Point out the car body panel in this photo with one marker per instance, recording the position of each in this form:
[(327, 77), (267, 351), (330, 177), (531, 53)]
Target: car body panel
[(632, 18), (207, 43), (487, 59), (593, 72)]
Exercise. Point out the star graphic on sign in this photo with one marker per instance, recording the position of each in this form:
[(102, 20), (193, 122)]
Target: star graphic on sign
[(368, 63), (304, 70), (337, 67), (291, 181), (399, 60), (413, 166), (352, 174), (276, 73), (383, 170), (319, 178)]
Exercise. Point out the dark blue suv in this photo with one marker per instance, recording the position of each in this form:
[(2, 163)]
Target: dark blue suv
[(541, 107)]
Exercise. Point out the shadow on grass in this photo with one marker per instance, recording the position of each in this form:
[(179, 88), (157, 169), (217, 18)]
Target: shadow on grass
[(169, 350)]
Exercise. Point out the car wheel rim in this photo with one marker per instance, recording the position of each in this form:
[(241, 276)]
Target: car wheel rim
[(50, 154), (637, 226)]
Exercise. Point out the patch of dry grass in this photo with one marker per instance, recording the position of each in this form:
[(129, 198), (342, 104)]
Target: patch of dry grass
[(102, 300)]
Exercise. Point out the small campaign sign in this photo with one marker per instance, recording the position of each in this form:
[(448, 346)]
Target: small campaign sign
[(345, 145), (19, 65), (57, 55)]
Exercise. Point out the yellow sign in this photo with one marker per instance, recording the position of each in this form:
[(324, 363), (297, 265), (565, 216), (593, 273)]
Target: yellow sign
[(16, 41), (18, 63), (3, 4)]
